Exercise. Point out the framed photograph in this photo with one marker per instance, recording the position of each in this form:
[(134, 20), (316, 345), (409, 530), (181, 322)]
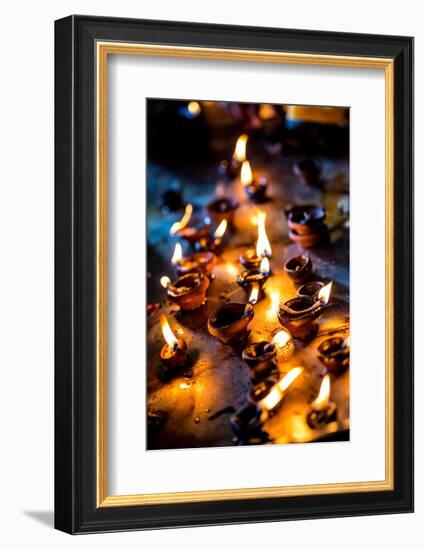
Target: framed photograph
[(234, 274)]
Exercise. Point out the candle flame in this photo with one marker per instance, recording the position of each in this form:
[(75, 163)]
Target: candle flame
[(169, 336), (324, 293), (178, 254), (264, 267), (177, 226), (246, 173), (263, 247), (194, 108), (220, 230), (324, 394), (165, 281), (253, 298), (281, 338), (240, 150), (278, 391)]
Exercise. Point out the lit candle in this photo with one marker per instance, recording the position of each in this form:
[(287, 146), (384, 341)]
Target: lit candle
[(253, 281), (254, 189), (200, 261), (174, 353), (323, 411), (252, 259), (275, 396)]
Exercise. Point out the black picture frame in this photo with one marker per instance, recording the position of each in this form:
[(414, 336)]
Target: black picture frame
[(76, 509)]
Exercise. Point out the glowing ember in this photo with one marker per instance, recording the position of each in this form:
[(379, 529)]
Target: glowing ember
[(281, 338), (220, 230), (264, 267), (177, 226), (169, 336), (178, 254), (263, 248), (324, 293), (240, 150), (246, 176), (194, 108), (324, 394), (253, 298), (165, 281)]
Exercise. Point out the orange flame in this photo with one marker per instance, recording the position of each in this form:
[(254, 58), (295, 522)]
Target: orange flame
[(324, 394), (177, 226), (178, 254), (220, 230), (253, 298), (264, 267), (246, 173), (169, 336), (263, 247), (165, 281), (278, 391), (240, 149), (281, 338), (324, 293)]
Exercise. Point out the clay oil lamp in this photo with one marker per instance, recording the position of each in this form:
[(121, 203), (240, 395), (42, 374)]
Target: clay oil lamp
[(233, 166), (323, 411), (247, 425), (188, 291), (174, 353), (229, 322), (299, 268), (272, 400), (252, 258), (212, 243), (310, 290), (334, 353), (222, 208), (255, 189), (253, 281), (299, 315), (200, 261), (306, 225), (191, 234), (261, 358), (308, 171)]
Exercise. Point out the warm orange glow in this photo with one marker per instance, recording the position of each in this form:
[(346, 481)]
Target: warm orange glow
[(178, 254), (253, 298), (347, 341), (324, 394), (278, 391), (324, 293), (263, 248), (264, 267), (171, 340), (289, 378), (266, 111), (246, 173), (184, 385), (165, 281), (240, 150), (272, 311), (231, 269), (281, 338), (220, 230), (177, 226), (194, 108)]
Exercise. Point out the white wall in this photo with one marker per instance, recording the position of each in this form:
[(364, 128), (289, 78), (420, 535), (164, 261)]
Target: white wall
[(26, 272)]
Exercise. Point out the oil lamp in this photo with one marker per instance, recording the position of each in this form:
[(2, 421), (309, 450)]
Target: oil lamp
[(222, 208), (192, 233), (247, 425), (253, 281), (188, 291), (251, 259), (284, 344), (310, 290), (323, 411), (214, 243), (274, 397), (255, 189), (174, 353), (200, 261), (229, 322), (299, 314), (233, 166), (261, 358), (334, 353), (306, 225), (299, 268)]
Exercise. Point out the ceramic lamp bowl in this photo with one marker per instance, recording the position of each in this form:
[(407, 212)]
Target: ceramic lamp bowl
[(189, 291), (299, 268), (222, 209), (304, 219), (229, 322)]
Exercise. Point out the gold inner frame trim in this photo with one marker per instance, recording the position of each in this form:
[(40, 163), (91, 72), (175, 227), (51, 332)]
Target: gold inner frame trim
[(103, 50)]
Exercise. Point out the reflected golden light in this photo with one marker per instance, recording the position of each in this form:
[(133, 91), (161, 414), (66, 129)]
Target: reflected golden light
[(324, 394), (177, 226), (264, 267), (324, 293), (272, 311), (266, 111), (169, 336), (194, 108), (253, 298), (220, 230), (246, 176), (281, 338), (178, 254), (240, 149), (263, 247), (165, 281)]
